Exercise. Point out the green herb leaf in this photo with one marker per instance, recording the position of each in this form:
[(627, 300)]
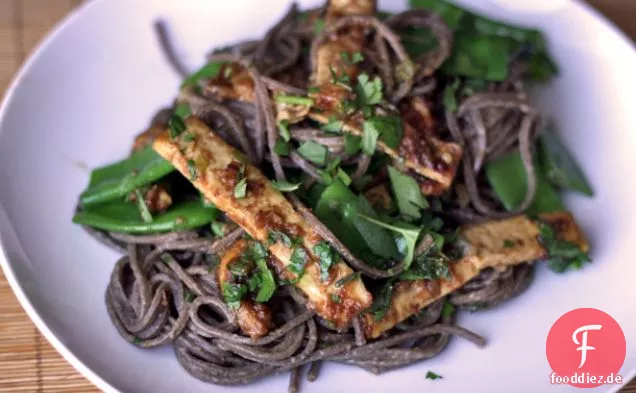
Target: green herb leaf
[(379, 240), (381, 301), (562, 254), (192, 170), (218, 228), (183, 110), (274, 236), (448, 309), (433, 376), (368, 91), (143, 207), (313, 90), (294, 100), (283, 129), (327, 256), (298, 260), (208, 71), (314, 152), (431, 265), (508, 243), (344, 280), (334, 125), (335, 298), (281, 148), (409, 232), (407, 194), (233, 293), (268, 284), (285, 186), (188, 137), (352, 144), (352, 58), (389, 127), (176, 126), (369, 138), (240, 189)]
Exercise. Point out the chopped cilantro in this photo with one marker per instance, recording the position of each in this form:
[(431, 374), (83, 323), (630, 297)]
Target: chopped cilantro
[(327, 256), (314, 152), (448, 309), (407, 194), (368, 91), (298, 260), (233, 293), (409, 232), (561, 254), (508, 243), (274, 236), (352, 144), (192, 170), (335, 298), (433, 376), (176, 126), (285, 186), (283, 129), (281, 148), (381, 301)]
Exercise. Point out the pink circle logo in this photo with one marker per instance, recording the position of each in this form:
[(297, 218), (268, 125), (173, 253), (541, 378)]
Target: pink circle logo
[(586, 348)]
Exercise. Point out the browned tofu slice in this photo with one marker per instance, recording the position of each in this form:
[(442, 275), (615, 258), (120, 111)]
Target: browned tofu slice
[(487, 245), (253, 318), (214, 167)]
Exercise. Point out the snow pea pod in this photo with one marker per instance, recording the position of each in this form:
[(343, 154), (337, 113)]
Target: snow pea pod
[(117, 180), (507, 176), (559, 166), (124, 217)]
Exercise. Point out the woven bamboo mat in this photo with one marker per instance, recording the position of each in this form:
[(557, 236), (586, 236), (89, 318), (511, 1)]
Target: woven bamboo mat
[(28, 363)]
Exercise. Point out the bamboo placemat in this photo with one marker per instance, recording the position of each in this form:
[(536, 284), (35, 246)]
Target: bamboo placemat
[(28, 363)]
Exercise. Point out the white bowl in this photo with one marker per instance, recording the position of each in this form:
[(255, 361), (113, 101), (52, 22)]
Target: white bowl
[(98, 78)]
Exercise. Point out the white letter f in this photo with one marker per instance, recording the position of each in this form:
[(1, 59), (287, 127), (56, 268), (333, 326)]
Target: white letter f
[(584, 347)]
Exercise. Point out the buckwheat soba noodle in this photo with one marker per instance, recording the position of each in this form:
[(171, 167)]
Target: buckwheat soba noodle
[(385, 171)]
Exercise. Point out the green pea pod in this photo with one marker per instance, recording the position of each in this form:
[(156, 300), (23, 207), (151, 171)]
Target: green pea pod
[(124, 217), (507, 177), (117, 180), (559, 166)]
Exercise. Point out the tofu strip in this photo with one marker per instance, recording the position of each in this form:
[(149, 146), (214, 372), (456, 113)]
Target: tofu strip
[(484, 248), (437, 162), (214, 167)]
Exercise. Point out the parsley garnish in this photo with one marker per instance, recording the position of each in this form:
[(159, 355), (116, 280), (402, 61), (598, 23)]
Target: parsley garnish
[(233, 293), (285, 186), (352, 58), (368, 91), (218, 228), (319, 26), (283, 129), (508, 243), (409, 233), (240, 189), (267, 282), (176, 126), (281, 148), (450, 96), (369, 138), (407, 194), (388, 127), (335, 298), (313, 90), (298, 260), (430, 265), (192, 170), (188, 137), (352, 144), (334, 125), (562, 254), (381, 301), (183, 110), (279, 236), (433, 376), (448, 309), (327, 256), (314, 152)]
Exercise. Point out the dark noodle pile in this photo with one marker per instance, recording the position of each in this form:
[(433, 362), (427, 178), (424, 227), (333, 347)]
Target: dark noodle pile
[(164, 290)]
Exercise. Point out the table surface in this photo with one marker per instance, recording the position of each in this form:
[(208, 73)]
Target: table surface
[(28, 363)]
